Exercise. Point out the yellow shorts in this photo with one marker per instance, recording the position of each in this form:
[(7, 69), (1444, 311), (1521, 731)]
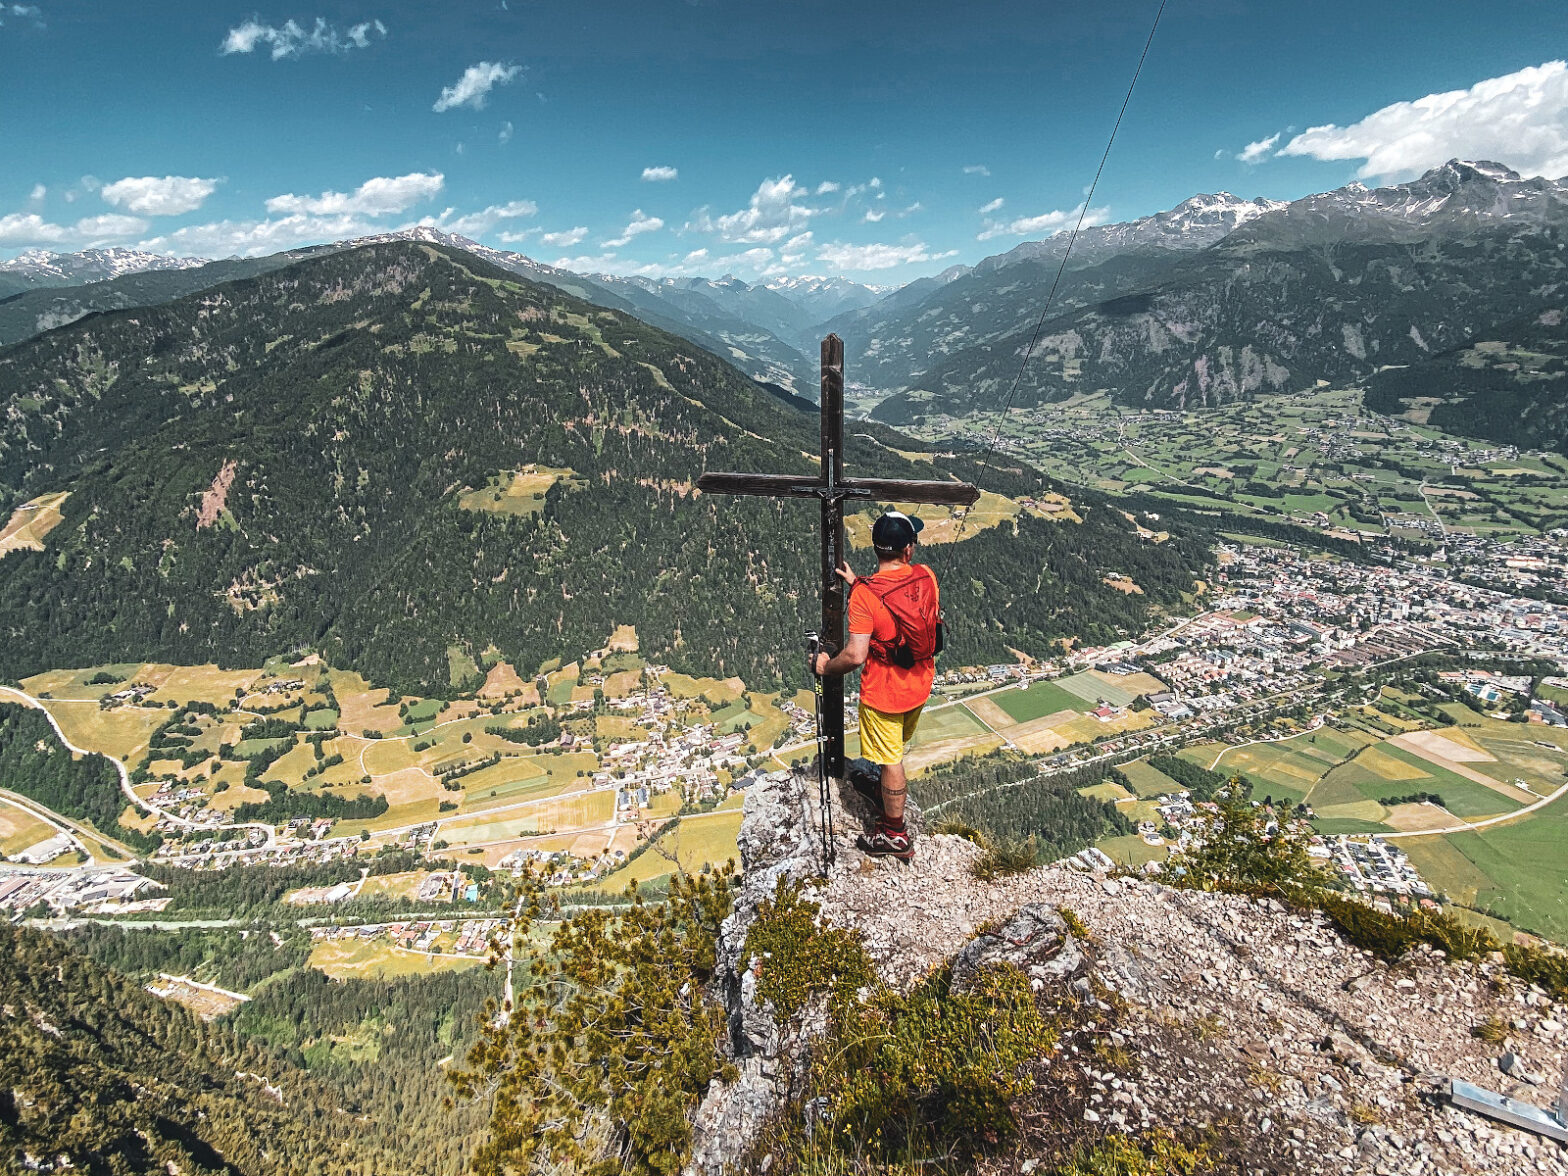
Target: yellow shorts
[(883, 735)]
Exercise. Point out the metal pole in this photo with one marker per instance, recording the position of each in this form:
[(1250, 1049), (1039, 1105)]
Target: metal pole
[(833, 547)]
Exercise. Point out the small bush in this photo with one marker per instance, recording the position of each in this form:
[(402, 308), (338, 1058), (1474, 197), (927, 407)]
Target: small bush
[(1007, 857), (1158, 1153)]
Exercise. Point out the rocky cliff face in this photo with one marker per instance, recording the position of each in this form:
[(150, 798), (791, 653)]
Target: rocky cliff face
[(1252, 1022)]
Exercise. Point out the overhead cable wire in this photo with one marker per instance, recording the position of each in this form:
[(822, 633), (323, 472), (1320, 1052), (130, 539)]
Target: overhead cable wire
[(1072, 239)]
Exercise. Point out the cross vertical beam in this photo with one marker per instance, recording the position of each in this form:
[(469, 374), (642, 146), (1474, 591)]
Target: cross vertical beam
[(832, 402)]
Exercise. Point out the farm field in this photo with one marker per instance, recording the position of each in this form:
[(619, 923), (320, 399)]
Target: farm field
[(1038, 700), (30, 522), (1148, 782), (357, 959), (1132, 851), (20, 829), (1516, 871), (1267, 459), (699, 840)]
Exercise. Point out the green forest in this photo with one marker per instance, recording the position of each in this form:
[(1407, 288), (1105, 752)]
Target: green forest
[(1003, 795), (35, 764), (352, 399), (116, 1081)]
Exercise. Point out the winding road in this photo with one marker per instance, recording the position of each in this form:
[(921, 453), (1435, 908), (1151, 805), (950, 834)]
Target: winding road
[(27, 700)]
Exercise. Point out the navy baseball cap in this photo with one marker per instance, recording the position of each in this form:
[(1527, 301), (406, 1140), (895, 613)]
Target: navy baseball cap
[(895, 531)]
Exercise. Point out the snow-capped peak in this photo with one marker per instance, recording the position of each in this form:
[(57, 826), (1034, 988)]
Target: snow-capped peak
[(92, 265)]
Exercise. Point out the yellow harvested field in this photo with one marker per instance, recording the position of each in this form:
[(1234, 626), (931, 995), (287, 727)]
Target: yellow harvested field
[(30, 522), (622, 683), (1386, 767), (992, 715), (564, 814), (918, 759), (700, 840), (1134, 684), (1452, 745), (589, 846), (356, 959), (20, 828), (122, 732), (1359, 810), (361, 708), (409, 786), (514, 492), (1409, 818), (503, 679), (1258, 759), (624, 639), (682, 686), (197, 683)]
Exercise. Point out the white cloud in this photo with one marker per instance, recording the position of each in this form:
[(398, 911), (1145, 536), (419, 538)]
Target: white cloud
[(111, 226), (506, 133), (771, 215), (873, 215), (517, 236), (476, 224), (159, 196), (1046, 224), (640, 223), (659, 175), (566, 238), (291, 39), (259, 238), (1257, 151), (22, 12), (793, 251), (38, 193), (987, 209), (977, 169), (827, 186), (596, 264), (840, 256), (1520, 119), (375, 197), (475, 84), (28, 228)]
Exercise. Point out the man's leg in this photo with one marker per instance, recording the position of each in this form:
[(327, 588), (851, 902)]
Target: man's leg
[(895, 782), (895, 788)]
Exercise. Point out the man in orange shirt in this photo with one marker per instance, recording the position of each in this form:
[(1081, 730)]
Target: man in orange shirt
[(894, 632)]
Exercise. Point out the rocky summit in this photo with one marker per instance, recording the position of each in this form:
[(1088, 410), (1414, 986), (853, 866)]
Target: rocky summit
[(1245, 1021)]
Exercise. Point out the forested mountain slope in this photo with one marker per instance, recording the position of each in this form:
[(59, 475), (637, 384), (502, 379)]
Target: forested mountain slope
[(103, 1078), (1510, 385), (1330, 287), (294, 460), (26, 313)]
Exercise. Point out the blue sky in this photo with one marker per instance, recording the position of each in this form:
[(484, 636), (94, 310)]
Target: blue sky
[(711, 136)]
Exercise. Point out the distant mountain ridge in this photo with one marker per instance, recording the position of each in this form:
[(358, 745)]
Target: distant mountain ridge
[(1330, 287), (944, 345), (309, 458)]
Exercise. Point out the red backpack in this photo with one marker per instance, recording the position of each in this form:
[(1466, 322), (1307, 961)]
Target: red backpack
[(917, 615)]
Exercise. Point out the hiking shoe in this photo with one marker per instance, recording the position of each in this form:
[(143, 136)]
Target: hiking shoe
[(887, 842)]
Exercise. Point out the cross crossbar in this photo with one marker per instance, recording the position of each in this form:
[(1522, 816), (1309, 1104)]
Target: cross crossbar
[(831, 488), (877, 489)]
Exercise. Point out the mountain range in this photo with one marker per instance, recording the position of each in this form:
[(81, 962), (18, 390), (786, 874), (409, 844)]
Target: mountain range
[(1214, 299), (325, 456)]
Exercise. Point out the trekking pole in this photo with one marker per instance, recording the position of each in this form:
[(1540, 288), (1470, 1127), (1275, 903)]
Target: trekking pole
[(824, 792)]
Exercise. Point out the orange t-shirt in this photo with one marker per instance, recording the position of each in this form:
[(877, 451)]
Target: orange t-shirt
[(884, 686)]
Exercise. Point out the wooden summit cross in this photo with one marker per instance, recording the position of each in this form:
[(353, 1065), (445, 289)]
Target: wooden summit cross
[(831, 488)]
